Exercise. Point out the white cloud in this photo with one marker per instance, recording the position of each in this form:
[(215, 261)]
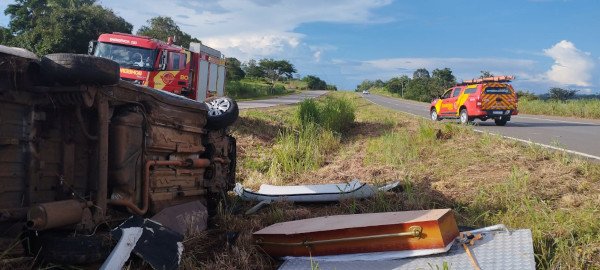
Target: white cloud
[(250, 29), (571, 66)]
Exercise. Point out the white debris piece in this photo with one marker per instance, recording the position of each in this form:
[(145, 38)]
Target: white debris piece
[(311, 193)]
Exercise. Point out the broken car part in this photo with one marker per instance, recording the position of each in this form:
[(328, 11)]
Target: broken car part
[(311, 193), (157, 245)]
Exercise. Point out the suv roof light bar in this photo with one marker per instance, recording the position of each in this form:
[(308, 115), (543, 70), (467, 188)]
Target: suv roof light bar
[(489, 79)]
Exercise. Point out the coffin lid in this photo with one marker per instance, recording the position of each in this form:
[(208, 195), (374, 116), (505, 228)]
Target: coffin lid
[(340, 222)]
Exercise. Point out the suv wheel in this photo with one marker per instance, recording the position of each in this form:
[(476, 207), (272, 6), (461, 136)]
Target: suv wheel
[(500, 121), (464, 117), (434, 115)]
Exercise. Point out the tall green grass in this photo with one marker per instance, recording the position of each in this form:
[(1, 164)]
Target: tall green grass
[(318, 133), (584, 108), (332, 113), (241, 89), (297, 151)]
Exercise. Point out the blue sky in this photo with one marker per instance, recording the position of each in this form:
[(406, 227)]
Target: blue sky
[(545, 43)]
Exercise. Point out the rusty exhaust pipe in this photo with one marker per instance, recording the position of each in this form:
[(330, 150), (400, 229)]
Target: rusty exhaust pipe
[(193, 163), (55, 214)]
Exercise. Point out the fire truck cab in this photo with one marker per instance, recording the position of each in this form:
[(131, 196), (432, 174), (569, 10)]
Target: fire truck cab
[(196, 73)]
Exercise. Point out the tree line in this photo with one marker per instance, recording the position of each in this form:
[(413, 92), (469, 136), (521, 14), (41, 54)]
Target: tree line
[(423, 86), (272, 71)]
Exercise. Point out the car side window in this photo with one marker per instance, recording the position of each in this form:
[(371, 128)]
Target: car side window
[(447, 94), (470, 90), (456, 92)]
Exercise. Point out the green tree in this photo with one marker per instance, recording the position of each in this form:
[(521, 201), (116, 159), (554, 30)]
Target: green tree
[(253, 70), (6, 36), (421, 73), (315, 83), (277, 69), (485, 74), (444, 77), (526, 95), (419, 89), (162, 28), (397, 85), (364, 85), (234, 69), (561, 94), (48, 26)]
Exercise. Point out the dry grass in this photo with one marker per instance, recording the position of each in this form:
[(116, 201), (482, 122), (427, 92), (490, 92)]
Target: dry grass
[(485, 179)]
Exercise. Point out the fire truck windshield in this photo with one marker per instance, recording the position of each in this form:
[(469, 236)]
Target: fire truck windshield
[(127, 56)]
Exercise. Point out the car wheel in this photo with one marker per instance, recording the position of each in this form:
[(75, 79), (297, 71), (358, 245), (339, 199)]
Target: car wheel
[(434, 115), (500, 121), (464, 117), (222, 112), (73, 69)]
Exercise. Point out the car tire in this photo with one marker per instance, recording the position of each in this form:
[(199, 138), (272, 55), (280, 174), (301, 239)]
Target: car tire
[(464, 117), (73, 69), (434, 115), (222, 112), (500, 121)]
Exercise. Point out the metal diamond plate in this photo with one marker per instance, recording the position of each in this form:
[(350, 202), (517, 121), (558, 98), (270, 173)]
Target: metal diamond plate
[(498, 250)]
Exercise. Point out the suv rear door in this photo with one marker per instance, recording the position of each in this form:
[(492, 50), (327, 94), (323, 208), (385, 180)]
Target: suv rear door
[(498, 96)]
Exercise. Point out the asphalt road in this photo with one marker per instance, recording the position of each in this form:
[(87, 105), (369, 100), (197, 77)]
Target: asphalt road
[(573, 135), (282, 100)]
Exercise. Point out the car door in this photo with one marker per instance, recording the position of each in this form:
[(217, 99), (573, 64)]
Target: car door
[(449, 101)]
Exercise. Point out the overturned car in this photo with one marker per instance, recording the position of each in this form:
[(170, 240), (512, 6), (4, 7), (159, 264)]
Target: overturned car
[(81, 150)]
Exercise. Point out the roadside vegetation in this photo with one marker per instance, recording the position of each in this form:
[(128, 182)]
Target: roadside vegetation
[(491, 181), (266, 78), (583, 108)]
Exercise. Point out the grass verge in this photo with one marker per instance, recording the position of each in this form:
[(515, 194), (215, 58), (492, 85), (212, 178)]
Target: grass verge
[(583, 108), (485, 179)]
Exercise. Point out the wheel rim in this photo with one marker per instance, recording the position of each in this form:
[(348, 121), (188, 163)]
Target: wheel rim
[(433, 115), (218, 106), (463, 117)]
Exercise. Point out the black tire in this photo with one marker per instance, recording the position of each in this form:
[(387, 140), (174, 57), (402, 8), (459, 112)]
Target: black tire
[(464, 117), (500, 121), (434, 115), (222, 112), (66, 248), (73, 69)]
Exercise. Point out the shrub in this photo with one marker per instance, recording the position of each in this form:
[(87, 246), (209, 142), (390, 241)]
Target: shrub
[(336, 114)]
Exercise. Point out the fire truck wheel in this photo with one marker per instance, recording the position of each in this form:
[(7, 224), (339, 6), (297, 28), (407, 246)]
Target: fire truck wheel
[(74, 69), (222, 112)]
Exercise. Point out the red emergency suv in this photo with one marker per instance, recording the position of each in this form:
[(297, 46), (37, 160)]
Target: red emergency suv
[(486, 98)]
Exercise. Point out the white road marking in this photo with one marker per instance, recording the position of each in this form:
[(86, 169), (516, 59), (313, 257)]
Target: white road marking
[(553, 120), (542, 145)]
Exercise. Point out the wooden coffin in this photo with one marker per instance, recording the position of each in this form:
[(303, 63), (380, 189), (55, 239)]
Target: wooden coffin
[(360, 233)]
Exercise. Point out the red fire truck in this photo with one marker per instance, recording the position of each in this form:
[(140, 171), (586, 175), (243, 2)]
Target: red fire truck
[(196, 73)]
